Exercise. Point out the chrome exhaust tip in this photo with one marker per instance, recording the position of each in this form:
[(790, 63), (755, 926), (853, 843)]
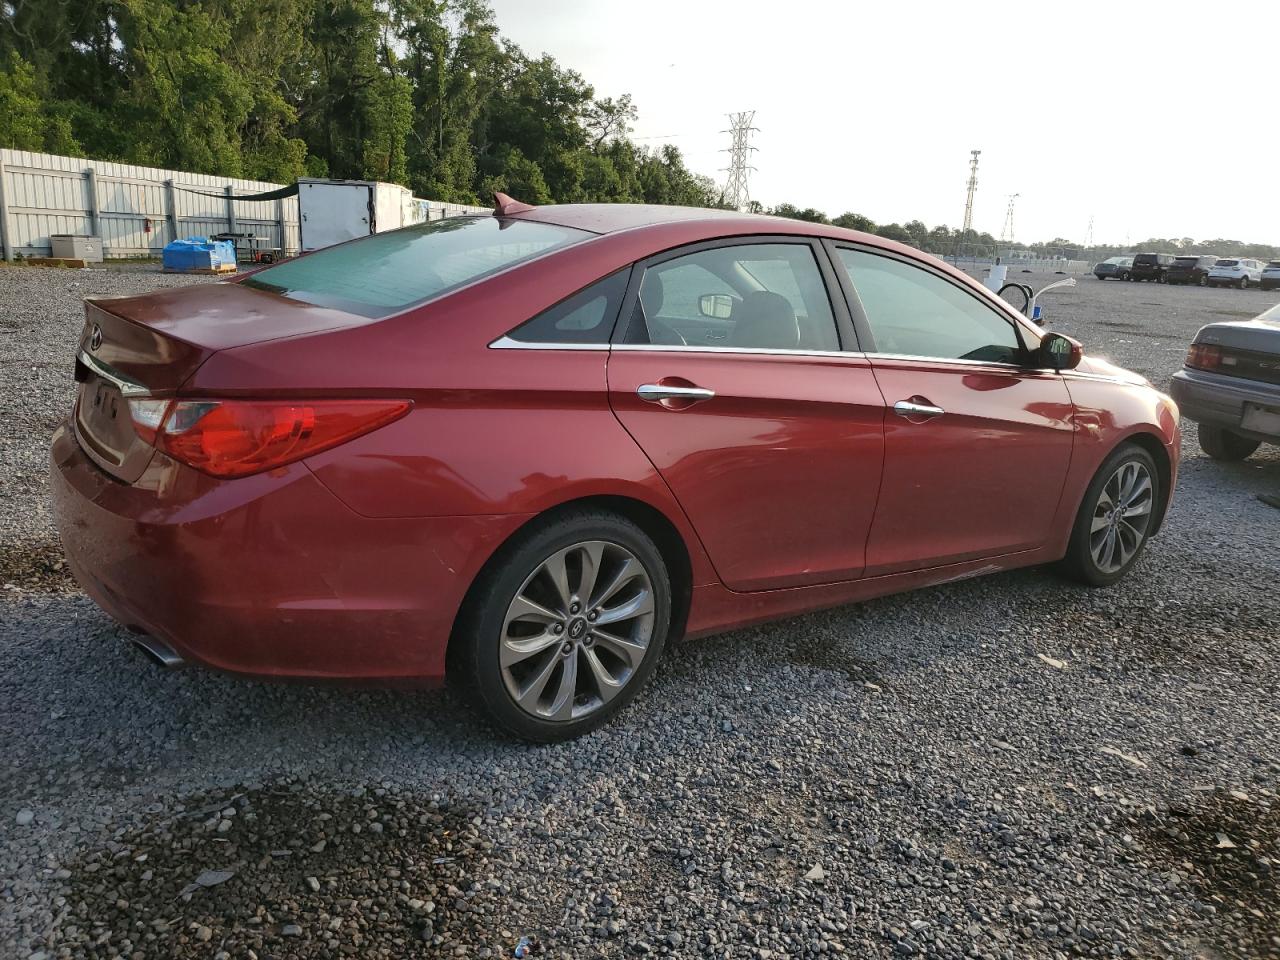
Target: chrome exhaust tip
[(159, 652)]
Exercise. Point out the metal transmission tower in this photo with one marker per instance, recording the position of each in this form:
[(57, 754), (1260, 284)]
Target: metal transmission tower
[(968, 203), (1006, 234), (740, 129), (1088, 237)]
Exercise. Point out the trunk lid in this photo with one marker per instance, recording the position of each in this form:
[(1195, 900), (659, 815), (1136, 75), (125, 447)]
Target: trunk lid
[(148, 346)]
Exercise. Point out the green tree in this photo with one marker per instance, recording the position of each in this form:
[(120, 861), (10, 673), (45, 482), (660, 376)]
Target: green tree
[(22, 121), (855, 221)]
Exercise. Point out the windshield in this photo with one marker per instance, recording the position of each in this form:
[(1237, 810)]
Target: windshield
[(1118, 261), (1227, 263), (379, 275), (1187, 261)]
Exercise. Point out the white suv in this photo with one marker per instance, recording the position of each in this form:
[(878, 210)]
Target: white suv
[(1235, 272), (1271, 275)]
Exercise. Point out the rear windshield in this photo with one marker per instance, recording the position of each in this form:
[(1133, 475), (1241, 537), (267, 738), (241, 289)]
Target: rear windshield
[(379, 275), (1145, 258), (1273, 263), (1227, 263)]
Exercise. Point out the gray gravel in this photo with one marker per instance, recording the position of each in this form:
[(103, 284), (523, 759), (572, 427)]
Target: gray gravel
[(1006, 767)]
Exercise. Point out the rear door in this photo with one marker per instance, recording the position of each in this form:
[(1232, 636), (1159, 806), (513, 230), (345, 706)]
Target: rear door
[(977, 444), (737, 374)]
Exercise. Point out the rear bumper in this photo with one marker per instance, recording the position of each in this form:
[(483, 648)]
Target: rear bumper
[(1219, 401), (269, 575)]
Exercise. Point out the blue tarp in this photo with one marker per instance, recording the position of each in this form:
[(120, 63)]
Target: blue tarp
[(198, 253)]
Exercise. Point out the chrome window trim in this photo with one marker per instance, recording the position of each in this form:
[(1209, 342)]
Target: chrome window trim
[(127, 387), (505, 342), (999, 364), (756, 351)]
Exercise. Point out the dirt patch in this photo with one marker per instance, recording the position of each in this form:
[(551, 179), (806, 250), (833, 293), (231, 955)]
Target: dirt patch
[(280, 871), (833, 656), (35, 565), (1228, 846)]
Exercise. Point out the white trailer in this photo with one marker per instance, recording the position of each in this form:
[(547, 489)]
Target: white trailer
[(331, 211)]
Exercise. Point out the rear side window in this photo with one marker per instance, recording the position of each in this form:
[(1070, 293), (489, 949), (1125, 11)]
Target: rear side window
[(379, 275), (750, 296), (1227, 263), (586, 317)]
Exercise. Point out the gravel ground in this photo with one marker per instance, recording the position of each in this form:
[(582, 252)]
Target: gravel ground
[(1009, 767)]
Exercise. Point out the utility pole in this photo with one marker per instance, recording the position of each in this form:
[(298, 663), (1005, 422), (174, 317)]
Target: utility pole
[(1006, 234), (736, 192), (968, 203), (1088, 237)]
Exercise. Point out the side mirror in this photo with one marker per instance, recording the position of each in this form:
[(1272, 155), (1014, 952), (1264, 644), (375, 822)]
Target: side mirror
[(1057, 352), (718, 306)]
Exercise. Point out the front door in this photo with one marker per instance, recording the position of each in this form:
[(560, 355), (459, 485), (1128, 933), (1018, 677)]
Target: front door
[(977, 443), (732, 380)]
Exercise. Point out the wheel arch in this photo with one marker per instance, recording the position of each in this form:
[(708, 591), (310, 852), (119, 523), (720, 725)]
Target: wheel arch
[(656, 524)]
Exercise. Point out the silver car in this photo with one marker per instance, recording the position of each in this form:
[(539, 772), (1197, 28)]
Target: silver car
[(1230, 385)]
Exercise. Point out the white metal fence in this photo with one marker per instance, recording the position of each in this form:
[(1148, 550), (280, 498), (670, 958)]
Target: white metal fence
[(137, 210)]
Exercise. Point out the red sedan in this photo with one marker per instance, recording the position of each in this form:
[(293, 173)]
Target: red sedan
[(528, 449)]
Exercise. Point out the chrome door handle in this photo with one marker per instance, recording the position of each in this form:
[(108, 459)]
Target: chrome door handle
[(905, 408), (654, 393)]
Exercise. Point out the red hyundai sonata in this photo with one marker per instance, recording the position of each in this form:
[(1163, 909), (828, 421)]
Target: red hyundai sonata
[(528, 449)]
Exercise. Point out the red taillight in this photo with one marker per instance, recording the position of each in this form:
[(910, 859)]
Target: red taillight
[(234, 438), (1203, 356)]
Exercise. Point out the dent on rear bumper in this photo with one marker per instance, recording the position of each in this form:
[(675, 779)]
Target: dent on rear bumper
[(268, 575)]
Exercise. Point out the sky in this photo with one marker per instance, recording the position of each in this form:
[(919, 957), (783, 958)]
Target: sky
[(1149, 119)]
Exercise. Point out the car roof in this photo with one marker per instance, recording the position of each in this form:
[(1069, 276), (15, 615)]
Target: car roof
[(606, 218)]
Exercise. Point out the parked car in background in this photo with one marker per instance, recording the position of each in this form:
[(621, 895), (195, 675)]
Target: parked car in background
[(1113, 268), (1191, 269), (1230, 385), (1270, 275), (529, 448), (1151, 266), (1239, 272)]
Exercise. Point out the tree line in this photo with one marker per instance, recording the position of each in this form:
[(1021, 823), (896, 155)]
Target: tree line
[(945, 241), (425, 93)]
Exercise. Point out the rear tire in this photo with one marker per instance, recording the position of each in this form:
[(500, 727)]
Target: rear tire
[(1221, 444), (530, 651), (1116, 518), (1204, 281)]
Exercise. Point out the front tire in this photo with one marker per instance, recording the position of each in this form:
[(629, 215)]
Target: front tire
[(566, 626), (1115, 518), (1221, 444), (1244, 283)]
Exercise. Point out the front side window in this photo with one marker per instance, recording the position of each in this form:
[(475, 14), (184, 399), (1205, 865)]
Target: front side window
[(915, 313), (379, 275), (760, 296)]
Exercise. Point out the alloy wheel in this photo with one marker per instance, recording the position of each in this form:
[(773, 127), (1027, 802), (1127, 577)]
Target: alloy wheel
[(1121, 516), (577, 630)]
